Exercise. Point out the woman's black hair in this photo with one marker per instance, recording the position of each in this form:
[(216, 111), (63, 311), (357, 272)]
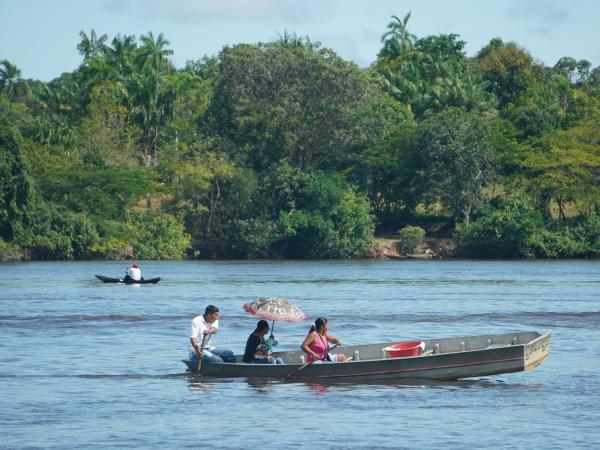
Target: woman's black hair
[(261, 325), (318, 324)]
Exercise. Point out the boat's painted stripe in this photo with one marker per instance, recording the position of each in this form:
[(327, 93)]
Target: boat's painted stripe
[(383, 372)]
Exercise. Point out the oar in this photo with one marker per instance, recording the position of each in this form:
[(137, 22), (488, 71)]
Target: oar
[(309, 363), (202, 350)]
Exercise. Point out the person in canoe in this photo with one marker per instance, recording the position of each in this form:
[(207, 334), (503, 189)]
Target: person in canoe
[(133, 273), (203, 327), (257, 351), (316, 344)]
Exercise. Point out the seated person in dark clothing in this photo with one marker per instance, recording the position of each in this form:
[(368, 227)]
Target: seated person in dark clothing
[(256, 348)]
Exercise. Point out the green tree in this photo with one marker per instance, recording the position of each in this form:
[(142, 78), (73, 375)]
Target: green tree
[(390, 172), (159, 237), (320, 216), (17, 190), (274, 101), (153, 54), (502, 229), (508, 69), (10, 82), (397, 42), (198, 187), (152, 109), (50, 231), (105, 135), (460, 161), (431, 73), (91, 46), (121, 54), (103, 192), (536, 113), (563, 167)]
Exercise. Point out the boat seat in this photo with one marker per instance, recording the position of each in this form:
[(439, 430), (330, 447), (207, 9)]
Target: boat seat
[(495, 346)]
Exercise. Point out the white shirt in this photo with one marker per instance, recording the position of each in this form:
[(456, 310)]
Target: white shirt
[(198, 326), (134, 273)]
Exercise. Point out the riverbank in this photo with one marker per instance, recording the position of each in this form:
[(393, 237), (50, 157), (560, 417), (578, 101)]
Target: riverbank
[(431, 248), (383, 247)]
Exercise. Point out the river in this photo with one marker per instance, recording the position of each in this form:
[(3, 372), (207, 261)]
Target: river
[(90, 365)]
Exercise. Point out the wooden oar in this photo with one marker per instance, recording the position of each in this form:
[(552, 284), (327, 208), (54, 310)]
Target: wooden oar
[(309, 363), (202, 350)]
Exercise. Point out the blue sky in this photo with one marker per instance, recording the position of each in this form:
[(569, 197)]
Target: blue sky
[(41, 36)]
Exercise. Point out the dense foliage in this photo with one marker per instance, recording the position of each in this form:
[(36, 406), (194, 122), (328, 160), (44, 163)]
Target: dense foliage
[(286, 150)]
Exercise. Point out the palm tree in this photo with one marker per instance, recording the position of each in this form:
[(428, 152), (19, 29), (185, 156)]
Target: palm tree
[(91, 46), (10, 81), (153, 54), (142, 104), (293, 40), (150, 109), (397, 41), (122, 53), (98, 70)]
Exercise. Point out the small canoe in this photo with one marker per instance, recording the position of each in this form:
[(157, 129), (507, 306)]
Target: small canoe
[(440, 359), (121, 280)]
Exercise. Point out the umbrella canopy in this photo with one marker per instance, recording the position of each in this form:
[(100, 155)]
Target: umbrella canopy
[(275, 308)]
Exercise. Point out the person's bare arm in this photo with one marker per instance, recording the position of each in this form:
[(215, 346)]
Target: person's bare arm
[(199, 351), (307, 341), (333, 340)]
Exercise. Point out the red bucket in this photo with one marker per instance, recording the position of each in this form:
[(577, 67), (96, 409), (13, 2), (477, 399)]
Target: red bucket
[(403, 349)]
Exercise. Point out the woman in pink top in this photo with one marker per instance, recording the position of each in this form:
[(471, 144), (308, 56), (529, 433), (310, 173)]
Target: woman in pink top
[(316, 343)]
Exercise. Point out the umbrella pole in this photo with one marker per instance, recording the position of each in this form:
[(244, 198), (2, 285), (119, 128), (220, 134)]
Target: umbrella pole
[(272, 327)]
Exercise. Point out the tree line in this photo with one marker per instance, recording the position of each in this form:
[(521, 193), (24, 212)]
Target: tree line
[(286, 150)]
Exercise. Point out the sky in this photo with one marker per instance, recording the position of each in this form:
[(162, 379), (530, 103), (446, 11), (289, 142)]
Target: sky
[(40, 36)]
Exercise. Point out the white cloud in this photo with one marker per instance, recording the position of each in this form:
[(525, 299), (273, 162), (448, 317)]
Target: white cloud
[(541, 17)]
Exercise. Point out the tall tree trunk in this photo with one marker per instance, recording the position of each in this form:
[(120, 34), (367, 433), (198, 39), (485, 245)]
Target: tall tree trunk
[(213, 205)]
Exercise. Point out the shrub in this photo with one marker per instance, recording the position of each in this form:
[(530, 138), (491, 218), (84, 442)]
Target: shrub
[(589, 231), (159, 237), (49, 231), (330, 220), (568, 241), (501, 230), (252, 238), (560, 243), (410, 238), (10, 251)]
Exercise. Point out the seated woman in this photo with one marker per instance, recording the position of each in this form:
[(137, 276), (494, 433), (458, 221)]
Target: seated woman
[(256, 348), (316, 345)]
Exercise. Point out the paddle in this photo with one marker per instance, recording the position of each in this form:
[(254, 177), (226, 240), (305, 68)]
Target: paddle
[(309, 363), (202, 350)]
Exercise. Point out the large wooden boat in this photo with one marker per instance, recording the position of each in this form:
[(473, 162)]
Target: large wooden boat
[(441, 359)]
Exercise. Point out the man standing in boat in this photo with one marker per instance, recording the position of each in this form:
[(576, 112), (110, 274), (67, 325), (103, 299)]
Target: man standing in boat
[(201, 347)]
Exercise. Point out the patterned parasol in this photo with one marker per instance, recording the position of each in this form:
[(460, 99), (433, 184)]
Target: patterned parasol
[(275, 308)]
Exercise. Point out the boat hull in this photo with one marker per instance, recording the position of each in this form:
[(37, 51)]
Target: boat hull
[(122, 281), (443, 359)]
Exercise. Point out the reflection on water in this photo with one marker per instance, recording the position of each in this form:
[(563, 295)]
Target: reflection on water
[(266, 386), (199, 386)]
